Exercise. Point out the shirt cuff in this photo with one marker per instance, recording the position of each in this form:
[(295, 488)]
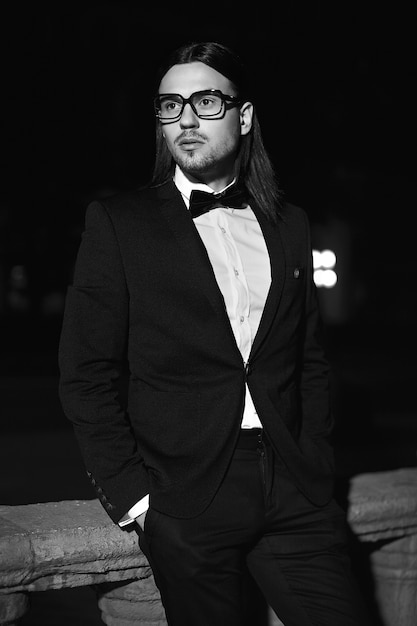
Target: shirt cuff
[(136, 510)]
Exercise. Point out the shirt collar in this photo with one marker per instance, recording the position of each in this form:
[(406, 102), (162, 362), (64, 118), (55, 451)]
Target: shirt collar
[(185, 186)]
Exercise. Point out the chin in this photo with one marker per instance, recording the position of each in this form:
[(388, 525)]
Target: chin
[(194, 165)]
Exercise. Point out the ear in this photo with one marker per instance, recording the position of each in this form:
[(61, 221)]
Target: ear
[(246, 115)]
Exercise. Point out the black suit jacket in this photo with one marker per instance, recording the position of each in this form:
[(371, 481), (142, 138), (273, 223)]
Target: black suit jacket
[(144, 294)]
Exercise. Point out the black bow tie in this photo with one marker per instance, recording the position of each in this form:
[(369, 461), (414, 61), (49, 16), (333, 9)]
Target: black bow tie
[(233, 197)]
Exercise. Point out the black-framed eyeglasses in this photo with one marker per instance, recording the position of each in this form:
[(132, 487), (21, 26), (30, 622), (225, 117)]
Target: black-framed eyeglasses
[(209, 104)]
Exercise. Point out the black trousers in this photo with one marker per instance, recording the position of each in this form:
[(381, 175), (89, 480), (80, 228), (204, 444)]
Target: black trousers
[(258, 521)]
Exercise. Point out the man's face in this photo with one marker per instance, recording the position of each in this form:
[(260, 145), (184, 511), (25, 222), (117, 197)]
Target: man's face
[(204, 149)]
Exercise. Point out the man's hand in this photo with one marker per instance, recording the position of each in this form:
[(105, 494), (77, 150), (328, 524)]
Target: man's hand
[(141, 520)]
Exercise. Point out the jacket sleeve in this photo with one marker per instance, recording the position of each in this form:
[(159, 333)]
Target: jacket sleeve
[(92, 362)]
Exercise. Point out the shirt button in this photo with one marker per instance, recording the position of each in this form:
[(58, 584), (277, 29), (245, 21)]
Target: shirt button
[(222, 229), (242, 319), (236, 272)]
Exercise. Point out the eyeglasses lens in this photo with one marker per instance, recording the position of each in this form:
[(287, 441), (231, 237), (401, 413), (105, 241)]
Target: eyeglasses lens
[(205, 104)]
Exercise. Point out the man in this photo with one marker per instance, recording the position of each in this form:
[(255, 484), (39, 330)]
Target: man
[(221, 452)]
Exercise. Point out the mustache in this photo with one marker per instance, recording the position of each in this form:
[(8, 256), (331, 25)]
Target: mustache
[(190, 135)]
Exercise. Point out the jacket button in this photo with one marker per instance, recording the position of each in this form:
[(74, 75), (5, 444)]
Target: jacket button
[(297, 272)]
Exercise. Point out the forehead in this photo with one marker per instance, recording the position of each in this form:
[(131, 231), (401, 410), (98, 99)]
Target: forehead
[(189, 77)]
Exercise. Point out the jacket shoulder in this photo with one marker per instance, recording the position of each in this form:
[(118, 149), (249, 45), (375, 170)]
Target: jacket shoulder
[(138, 199), (293, 212)]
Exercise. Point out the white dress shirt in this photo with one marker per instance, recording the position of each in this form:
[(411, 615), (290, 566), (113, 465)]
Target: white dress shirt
[(238, 254)]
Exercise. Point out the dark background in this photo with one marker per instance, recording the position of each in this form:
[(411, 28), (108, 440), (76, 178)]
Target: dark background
[(333, 87)]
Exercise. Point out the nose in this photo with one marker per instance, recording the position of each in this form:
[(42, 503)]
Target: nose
[(188, 118)]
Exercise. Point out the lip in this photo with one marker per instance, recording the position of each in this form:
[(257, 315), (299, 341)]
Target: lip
[(190, 145), (189, 141)]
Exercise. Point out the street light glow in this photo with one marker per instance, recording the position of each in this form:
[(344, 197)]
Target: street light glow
[(324, 274)]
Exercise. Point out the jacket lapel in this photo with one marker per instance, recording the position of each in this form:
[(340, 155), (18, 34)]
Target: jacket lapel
[(199, 269), (191, 250), (272, 236)]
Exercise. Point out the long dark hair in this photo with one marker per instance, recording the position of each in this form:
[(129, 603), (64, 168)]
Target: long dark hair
[(254, 167)]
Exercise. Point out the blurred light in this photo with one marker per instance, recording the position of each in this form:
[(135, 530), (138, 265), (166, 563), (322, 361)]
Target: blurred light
[(324, 258), (325, 278), (316, 259), (18, 277), (328, 259), (323, 263)]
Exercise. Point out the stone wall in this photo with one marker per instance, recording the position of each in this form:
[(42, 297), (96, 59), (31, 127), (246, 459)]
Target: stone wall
[(58, 545)]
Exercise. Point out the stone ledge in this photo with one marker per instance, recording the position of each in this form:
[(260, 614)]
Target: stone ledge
[(55, 545), (383, 505), (70, 543)]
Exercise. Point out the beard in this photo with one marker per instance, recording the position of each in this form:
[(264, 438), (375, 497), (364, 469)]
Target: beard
[(196, 164), (200, 163)]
